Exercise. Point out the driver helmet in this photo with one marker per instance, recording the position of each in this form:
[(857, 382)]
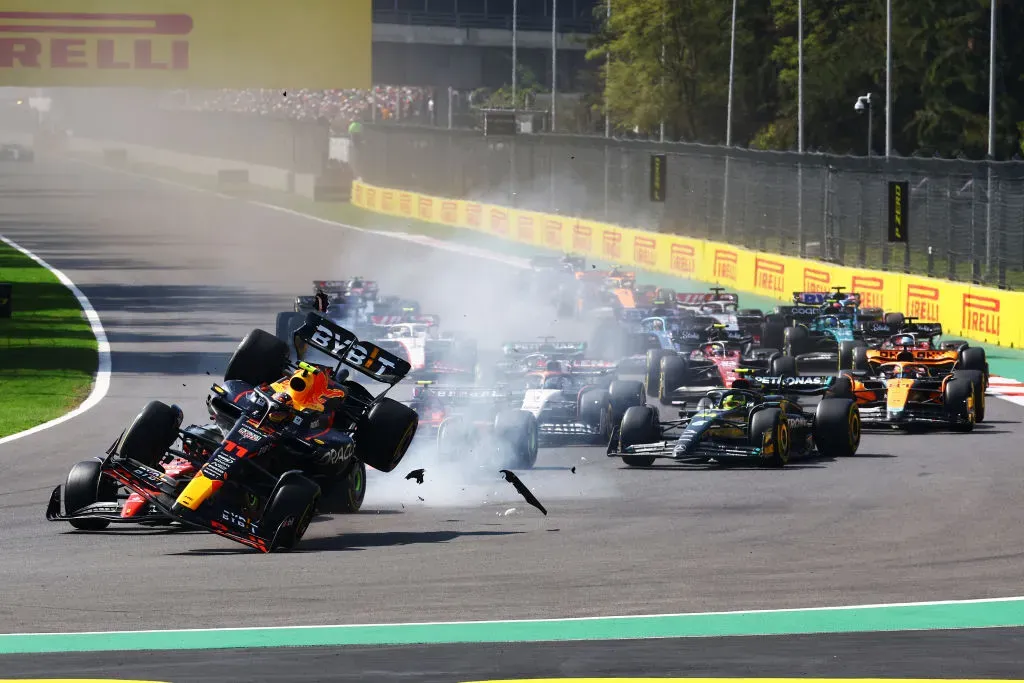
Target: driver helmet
[(308, 388), (905, 340), (734, 401), (658, 325)]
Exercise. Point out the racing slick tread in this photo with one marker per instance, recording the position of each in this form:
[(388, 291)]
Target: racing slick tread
[(150, 434), (260, 358), (85, 486), (639, 425), (384, 434)]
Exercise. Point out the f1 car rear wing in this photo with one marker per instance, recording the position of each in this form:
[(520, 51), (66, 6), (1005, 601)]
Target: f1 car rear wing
[(560, 347), (459, 395), (343, 345), (388, 320), (810, 385), (918, 355), (822, 298), (699, 298), (911, 326), (877, 328)]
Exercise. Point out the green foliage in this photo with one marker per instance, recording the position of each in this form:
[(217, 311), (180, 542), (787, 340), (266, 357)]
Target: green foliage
[(940, 75)]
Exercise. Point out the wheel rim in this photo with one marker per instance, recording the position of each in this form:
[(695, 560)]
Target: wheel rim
[(855, 428), (783, 442)]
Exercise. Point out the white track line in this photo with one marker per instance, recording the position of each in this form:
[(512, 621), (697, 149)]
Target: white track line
[(101, 383)]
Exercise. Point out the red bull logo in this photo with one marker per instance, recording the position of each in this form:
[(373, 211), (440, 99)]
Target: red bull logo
[(158, 42), (981, 314), (308, 390)]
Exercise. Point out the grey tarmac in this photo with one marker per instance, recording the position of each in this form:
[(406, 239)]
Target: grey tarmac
[(178, 277)]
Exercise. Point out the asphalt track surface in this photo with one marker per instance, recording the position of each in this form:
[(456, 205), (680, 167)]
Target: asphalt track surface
[(970, 654), (179, 277)]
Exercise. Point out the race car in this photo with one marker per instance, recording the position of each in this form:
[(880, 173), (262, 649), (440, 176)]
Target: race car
[(467, 421), (821, 330), (522, 357), (755, 422), (949, 356), (16, 152), (905, 394), (430, 354), (675, 377), (571, 401), (288, 440)]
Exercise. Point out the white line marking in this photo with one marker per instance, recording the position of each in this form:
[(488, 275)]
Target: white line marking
[(101, 384), (625, 617)]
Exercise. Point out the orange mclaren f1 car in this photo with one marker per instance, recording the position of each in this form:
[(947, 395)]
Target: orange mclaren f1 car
[(915, 387)]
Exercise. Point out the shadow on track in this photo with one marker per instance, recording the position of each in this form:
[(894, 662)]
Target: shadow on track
[(359, 541)]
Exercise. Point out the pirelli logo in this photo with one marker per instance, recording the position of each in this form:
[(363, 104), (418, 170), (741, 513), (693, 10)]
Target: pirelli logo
[(582, 238), (357, 195), (474, 215), (553, 233), (449, 213), (71, 40), (871, 290), (525, 228), (725, 264), (923, 303), (387, 201), (371, 197), (770, 275), (499, 221), (645, 251), (981, 314), (425, 208), (683, 259), (611, 244), (816, 280), (405, 204)]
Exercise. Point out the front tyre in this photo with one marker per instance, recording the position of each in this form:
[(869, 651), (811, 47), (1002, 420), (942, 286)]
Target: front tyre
[(289, 512), (86, 486), (151, 433), (837, 427), (769, 429), (639, 426)]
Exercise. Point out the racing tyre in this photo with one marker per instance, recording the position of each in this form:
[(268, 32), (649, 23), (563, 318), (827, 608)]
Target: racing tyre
[(773, 334), (771, 421), (259, 358), (794, 340), (346, 495), (624, 395), (639, 425), (959, 399), (837, 427), (841, 388), (895, 319), (384, 434), (293, 504), (652, 374), (150, 434), (85, 486), (783, 366), (846, 349), (859, 362), (977, 380), (752, 312), (672, 374), (517, 431), (973, 358), (595, 409), (286, 325)]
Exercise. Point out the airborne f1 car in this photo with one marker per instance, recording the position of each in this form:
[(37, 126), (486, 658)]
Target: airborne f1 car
[(756, 422), (466, 420), (288, 440)]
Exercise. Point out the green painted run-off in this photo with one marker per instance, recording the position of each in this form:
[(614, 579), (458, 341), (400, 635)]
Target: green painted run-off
[(919, 616)]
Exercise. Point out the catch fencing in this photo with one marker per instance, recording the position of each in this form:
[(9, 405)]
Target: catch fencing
[(966, 219)]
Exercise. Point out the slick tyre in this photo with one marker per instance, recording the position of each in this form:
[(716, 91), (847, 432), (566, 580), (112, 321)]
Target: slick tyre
[(519, 438), (293, 504), (895, 320), (784, 366), (85, 486), (846, 350), (973, 358), (383, 436), (624, 395), (959, 399), (795, 341), (639, 426), (859, 362), (653, 369), (771, 422), (773, 335), (347, 493), (259, 358), (837, 427), (672, 375), (595, 410), (977, 380), (150, 434)]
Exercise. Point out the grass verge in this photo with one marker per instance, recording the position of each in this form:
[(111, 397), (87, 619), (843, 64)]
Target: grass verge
[(1003, 361), (48, 353)]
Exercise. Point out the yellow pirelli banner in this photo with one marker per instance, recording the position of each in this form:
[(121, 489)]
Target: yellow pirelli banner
[(317, 44), (981, 313)]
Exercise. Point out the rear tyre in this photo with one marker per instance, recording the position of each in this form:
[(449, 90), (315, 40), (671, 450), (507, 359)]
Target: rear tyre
[(846, 349), (794, 340), (977, 380), (294, 502), (85, 486), (259, 358), (973, 358), (383, 436), (783, 366), (150, 434), (653, 369), (895, 319), (595, 410), (773, 335), (672, 375), (841, 388), (517, 431), (859, 362), (837, 427), (625, 394), (639, 426), (771, 422)]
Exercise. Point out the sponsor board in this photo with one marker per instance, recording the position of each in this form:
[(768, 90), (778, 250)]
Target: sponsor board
[(425, 208), (973, 312), (185, 43), (449, 212)]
